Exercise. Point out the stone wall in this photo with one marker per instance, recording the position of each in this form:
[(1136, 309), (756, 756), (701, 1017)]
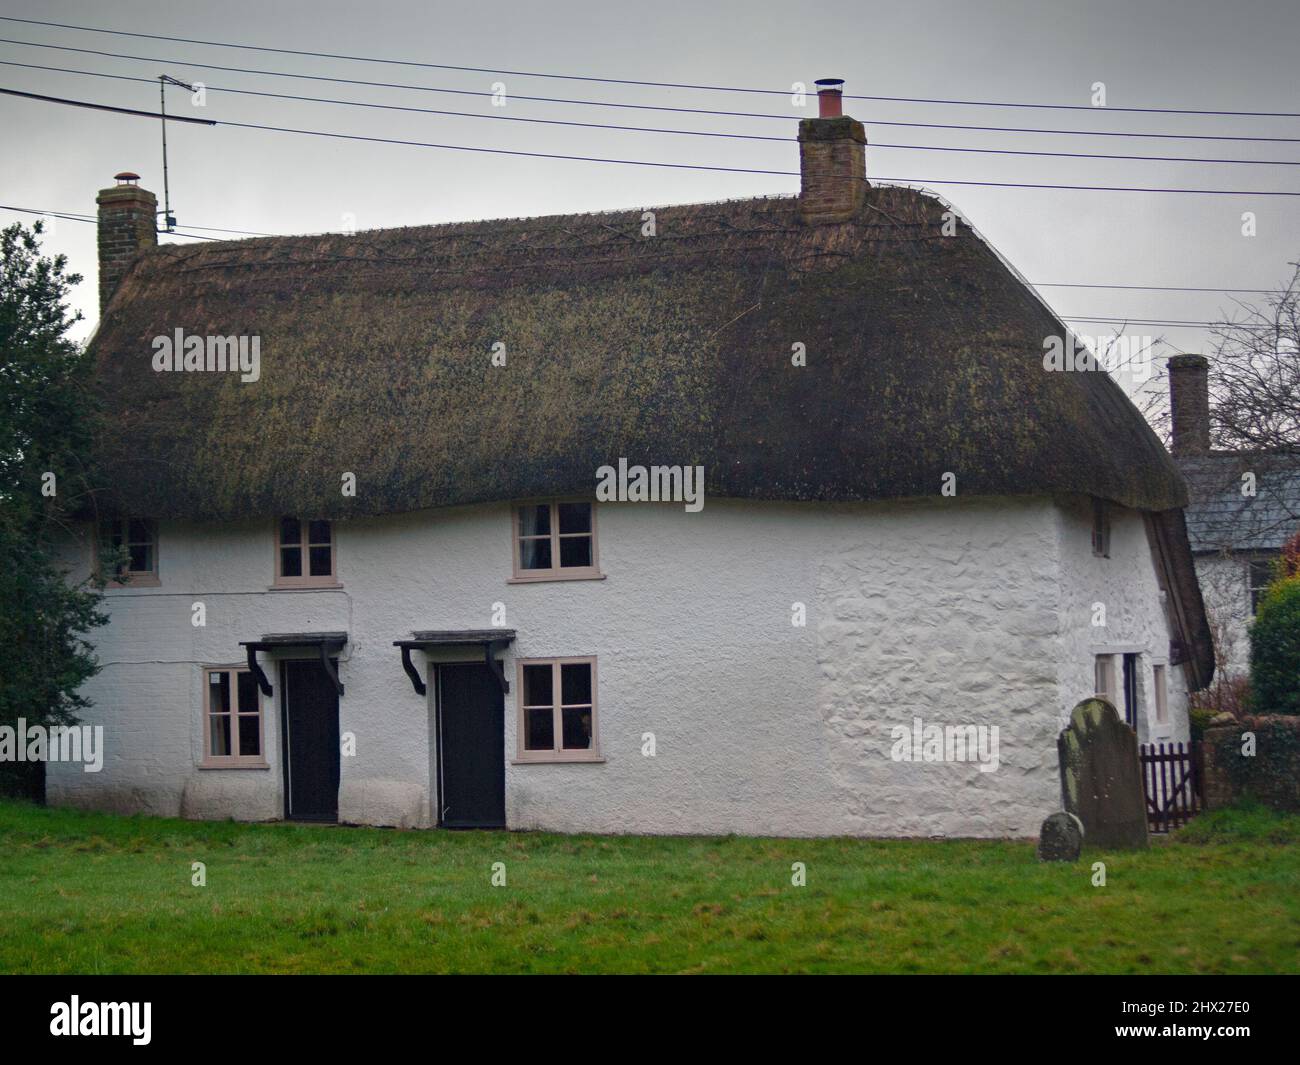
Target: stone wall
[(1270, 775)]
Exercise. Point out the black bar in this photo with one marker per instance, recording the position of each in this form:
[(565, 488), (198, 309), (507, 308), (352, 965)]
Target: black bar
[(255, 668), (416, 682)]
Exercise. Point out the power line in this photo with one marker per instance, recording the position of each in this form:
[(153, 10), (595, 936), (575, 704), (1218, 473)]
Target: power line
[(1119, 320), (745, 170), (105, 107), (606, 103), (1155, 288), (72, 216), (660, 129), (1037, 284), (395, 85), (728, 169), (1113, 320), (649, 84)]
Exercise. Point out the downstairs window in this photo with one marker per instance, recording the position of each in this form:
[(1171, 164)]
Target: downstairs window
[(557, 710), (232, 719)]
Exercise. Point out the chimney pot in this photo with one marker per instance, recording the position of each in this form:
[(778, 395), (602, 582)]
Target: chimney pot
[(1189, 404), (832, 160), (830, 97)]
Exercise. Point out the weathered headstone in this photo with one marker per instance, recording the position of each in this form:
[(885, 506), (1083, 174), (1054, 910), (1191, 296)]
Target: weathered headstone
[(1061, 838), (1101, 776)]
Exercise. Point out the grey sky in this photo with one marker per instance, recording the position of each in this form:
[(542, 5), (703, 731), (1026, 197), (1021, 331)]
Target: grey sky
[(1163, 53)]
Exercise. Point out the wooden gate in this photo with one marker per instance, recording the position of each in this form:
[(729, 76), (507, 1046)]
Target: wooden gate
[(1171, 779)]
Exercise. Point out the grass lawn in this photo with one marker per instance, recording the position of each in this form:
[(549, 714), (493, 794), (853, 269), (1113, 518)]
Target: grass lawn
[(96, 893)]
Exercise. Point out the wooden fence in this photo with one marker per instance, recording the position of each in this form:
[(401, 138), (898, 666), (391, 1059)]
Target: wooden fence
[(1171, 779)]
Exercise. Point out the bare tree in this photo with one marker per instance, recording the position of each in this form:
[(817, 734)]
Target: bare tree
[(1254, 378), (1255, 375)]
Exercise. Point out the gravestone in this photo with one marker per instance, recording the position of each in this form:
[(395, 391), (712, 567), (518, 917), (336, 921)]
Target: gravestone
[(1061, 838), (1101, 776)]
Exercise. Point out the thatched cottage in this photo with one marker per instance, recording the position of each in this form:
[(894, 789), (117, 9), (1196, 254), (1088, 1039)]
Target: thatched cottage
[(374, 577)]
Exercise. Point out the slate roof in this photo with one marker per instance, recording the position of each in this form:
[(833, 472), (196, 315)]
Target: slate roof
[(1220, 518)]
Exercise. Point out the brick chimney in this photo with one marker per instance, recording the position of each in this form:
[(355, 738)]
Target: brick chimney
[(832, 160), (1189, 402), (128, 224)]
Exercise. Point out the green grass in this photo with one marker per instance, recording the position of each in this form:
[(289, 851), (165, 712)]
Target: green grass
[(96, 893)]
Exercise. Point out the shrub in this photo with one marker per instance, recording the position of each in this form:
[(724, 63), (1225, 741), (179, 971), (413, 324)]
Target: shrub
[(1289, 563), (1275, 650)]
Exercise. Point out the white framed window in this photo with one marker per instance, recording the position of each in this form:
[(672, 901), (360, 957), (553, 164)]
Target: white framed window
[(1160, 693), (1100, 528), (1104, 678), (557, 710), (555, 541), (1259, 575), (138, 539), (305, 554), (233, 735)]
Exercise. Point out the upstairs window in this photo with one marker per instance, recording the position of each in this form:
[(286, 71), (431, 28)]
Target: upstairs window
[(304, 554), (1259, 577), (134, 541), (1101, 528), (555, 541), (232, 719)]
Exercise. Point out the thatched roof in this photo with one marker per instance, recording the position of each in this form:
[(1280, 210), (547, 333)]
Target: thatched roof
[(924, 356)]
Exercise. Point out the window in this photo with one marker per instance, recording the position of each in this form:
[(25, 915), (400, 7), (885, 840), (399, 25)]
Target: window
[(555, 541), (1161, 693), (232, 718), (557, 710), (138, 538), (1260, 575), (1104, 674), (304, 554), (1100, 528)]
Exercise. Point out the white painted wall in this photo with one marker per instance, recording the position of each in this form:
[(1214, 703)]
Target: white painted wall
[(959, 612), (1225, 587), (1136, 621)]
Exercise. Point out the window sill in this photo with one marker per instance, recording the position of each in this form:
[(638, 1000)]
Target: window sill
[(135, 582), (557, 758), (549, 575), (234, 765), (307, 586)]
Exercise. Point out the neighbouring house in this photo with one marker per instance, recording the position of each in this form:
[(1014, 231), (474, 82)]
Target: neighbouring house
[(382, 583), (1243, 507)]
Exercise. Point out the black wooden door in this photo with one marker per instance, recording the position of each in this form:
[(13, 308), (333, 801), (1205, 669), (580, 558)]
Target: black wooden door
[(1130, 690), (311, 741), (471, 748)]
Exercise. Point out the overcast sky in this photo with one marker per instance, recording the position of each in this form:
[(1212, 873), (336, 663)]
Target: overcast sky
[(1187, 54)]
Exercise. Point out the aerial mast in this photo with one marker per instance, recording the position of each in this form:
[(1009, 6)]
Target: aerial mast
[(169, 220)]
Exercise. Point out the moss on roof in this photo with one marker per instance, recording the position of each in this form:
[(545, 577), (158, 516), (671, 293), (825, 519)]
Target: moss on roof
[(924, 356)]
